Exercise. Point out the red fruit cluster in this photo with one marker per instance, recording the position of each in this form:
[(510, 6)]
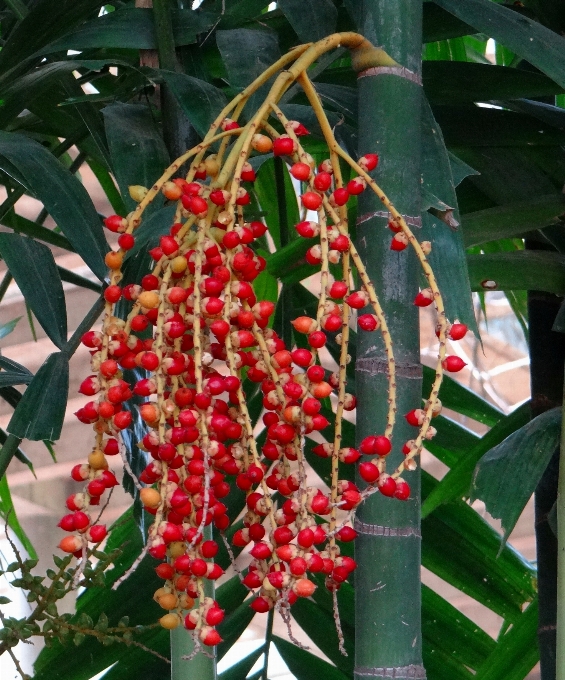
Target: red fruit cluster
[(202, 341)]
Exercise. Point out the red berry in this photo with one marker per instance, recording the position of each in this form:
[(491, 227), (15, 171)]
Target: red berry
[(283, 146), (457, 331), (340, 196), (369, 472), (323, 181), (453, 363), (311, 200), (317, 339), (402, 490), (387, 485), (300, 171)]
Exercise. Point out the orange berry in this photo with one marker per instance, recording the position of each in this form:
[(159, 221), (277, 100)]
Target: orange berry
[(170, 621), (113, 259), (261, 143), (172, 191)]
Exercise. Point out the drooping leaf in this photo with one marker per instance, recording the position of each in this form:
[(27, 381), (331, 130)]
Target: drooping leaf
[(542, 47), (40, 412), (507, 475), (137, 149), (447, 257), (33, 267), (63, 196), (312, 20), (457, 481)]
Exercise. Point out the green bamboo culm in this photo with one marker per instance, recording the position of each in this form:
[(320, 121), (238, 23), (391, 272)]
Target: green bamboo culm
[(387, 550)]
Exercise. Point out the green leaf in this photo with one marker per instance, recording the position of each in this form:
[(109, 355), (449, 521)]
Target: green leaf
[(246, 53), (457, 481), (8, 327), (241, 669), (63, 196), (323, 633), (507, 221), (450, 635), (535, 43), (41, 410), (516, 652), (8, 513), (33, 267), (304, 665), (233, 626), (131, 28), (47, 20), (22, 225), (508, 474), (107, 183), (447, 257), (459, 398), (519, 270), (137, 149), (455, 82), (462, 548), (200, 101), (439, 24), (267, 191), (312, 20)]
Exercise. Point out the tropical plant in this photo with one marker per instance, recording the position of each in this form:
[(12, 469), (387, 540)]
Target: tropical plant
[(490, 176)]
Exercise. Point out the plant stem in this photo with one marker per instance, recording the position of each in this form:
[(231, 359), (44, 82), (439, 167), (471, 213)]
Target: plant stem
[(560, 633), (387, 583), (547, 354)]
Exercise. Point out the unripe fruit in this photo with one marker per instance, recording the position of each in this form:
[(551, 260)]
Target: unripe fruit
[(150, 498), (304, 324), (137, 192), (170, 621), (303, 587), (70, 544), (148, 299), (261, 143)]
